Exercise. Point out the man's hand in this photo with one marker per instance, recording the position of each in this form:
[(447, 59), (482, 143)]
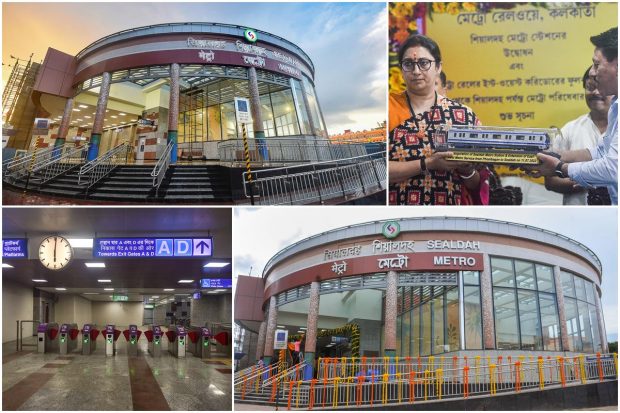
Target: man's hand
[(546, 167)]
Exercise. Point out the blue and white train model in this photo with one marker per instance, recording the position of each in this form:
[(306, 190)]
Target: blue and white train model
[(493, 139)]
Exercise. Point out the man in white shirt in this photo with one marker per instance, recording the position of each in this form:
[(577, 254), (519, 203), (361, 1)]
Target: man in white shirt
[(585, 132)]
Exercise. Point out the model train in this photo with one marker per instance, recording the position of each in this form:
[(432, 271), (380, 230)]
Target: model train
[(492, 139)]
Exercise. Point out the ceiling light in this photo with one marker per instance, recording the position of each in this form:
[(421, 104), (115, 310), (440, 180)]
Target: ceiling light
[(114, 116), (40, 281), (83, 106), (185, 281), (76, 110), (61, 289), (155, 296), (95, 264), (280, 326), (303, 328), (86, 117), (108, 289), (122, 114), (90, 293), (213, 292), (5, 265), (169, 289), (81, 242), (104, 281), (216, 264)]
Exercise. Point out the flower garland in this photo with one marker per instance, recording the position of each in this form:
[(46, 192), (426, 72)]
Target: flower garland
[(350, 329)]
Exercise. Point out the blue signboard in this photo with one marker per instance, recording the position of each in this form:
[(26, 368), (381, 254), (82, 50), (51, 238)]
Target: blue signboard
[(197, 295), (15, 248), (216, 283), (152, 247)]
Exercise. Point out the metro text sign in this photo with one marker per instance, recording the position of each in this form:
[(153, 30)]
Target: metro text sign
[(152, 247)]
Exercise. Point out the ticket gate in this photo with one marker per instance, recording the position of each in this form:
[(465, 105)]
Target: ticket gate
[(110, 335), (46, 338), (67, 341), (132, 335), (89, 338), (154, 337), (198, 343), (177, 341)]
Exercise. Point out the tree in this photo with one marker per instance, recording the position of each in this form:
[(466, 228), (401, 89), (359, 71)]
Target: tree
[(613, 347)]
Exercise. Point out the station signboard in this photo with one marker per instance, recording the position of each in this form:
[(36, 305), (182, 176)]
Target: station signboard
[(152, 247), (15, 248), (280, 339), (216, 283)]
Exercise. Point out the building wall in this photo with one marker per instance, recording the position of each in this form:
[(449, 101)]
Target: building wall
[(212, 309), (120, 314), (73, 309), (159, 315), (17, 304)]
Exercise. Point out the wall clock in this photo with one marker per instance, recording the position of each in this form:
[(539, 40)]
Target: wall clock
[(55, 252)]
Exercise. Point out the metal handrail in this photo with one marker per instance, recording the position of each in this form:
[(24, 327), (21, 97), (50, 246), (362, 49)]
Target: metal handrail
[(17, 168), (342, 178), (20, 334), (254, 373), (61, 164), (292, 150), (100, 167), (161, 167)]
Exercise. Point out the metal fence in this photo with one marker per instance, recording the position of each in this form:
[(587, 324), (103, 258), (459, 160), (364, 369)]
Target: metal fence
[(97, 169), (25, 164), (159, 171), (380, 383), (297, 150), (319, 182), (60, 163)]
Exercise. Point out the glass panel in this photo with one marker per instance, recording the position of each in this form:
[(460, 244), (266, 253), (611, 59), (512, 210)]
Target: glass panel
[(302, 110), (267, 115), (586, 329), (506, 325), (525, 275), (399, 341), (473, 318), (438, 325), (550, 323), (580, 288), (471, 277), (452, 320), (406, 338), (314, 108), (502, 272), (590, 292), (284, 113), (529, 321), (426, 329), (567, 284), (544, 275), (415, 332), (572, 324), (214, 123), (229, 122), (596, 336)]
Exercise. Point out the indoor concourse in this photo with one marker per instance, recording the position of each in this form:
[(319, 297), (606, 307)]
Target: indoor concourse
[(125, 309)]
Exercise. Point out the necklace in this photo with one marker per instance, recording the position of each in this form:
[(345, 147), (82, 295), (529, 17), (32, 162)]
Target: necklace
[(411, 106)]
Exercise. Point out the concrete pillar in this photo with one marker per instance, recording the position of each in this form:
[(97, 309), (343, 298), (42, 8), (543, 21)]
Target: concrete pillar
[(102, 103), (173, 110), (601, 322), (486, 295), (257, 117), (557, 279), (271, 329), (391, 299), (260, 346), (311, 329), (63, 129)]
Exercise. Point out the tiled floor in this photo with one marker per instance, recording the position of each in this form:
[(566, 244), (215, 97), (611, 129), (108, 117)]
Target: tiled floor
[(32, 381)]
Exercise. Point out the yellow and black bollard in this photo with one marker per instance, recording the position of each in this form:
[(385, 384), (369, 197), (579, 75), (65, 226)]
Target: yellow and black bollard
[(246, 152)]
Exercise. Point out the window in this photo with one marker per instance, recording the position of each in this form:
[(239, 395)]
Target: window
[(497, 136), (502, 272), (572, 324), (568, 288), (550, 322), (506, 325), (520, 137), (525, 275), (529, 321), (544, 276)]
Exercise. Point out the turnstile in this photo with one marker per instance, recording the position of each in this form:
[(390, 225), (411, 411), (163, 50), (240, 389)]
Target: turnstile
[(154, 337), (177, 340), (110, 335), (132, 335), (46, 337), (198, 343), (89, 338), (67, 341)]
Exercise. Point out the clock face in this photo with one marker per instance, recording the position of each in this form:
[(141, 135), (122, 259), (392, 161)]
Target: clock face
[(55, 252)]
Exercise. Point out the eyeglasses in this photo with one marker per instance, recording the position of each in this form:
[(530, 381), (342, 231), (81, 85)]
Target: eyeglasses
[(423, 64)]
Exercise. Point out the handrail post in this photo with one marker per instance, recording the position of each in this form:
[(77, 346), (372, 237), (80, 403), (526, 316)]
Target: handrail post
[(359, 173), (17, 335), (318, 187)]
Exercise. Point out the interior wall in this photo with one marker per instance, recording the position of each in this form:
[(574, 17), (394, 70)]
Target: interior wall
[(211, 309), (73, 309), (120, 314), (17, 304)]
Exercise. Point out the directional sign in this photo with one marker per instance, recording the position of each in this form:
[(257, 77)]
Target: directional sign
[(280, 339), (242, 110), (152, 247), (216, 283), (15, 248)]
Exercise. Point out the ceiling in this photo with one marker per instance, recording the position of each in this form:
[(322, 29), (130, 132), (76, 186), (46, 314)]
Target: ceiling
[(139, 278)]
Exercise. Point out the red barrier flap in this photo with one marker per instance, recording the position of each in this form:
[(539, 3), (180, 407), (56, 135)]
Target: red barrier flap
[(73, 333), (222, 338), (149, 335), (193, 335), (171, 335), (126, 334), (52, 333), (117, 334), (94, 333)]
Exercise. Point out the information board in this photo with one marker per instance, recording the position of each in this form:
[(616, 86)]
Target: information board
[(216, 283), (280, 339), (15, 248), (152, 247)]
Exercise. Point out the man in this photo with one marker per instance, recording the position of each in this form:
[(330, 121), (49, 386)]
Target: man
[(585, 132), (597, 166)]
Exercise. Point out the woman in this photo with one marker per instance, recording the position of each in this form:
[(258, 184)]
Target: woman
[(418, 174)]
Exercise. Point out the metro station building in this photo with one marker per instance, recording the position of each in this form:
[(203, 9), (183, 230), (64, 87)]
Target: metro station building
[(430, 287), (176, 82)]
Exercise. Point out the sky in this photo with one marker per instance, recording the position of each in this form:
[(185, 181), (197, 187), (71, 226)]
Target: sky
[(259, 233), (346, 41)]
